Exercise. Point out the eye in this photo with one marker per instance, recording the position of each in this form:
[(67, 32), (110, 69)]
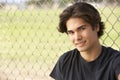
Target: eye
[(81, 28), (70, 32)]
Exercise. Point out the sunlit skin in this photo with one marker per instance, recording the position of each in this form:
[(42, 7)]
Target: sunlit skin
[(84, 37)]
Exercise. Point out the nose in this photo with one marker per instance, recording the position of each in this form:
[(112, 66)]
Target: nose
[(77, 36)]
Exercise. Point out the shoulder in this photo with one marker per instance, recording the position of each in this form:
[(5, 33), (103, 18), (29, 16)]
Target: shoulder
[(111, 55), (114, 55), (67, 55), (110, 51)]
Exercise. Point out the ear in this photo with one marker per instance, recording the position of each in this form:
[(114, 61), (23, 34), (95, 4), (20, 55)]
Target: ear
[(97, 27)]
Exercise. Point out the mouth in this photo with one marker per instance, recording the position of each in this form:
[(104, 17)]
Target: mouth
[(80, 44)]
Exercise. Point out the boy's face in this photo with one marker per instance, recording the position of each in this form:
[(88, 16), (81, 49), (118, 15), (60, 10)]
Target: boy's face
[(81, 34)]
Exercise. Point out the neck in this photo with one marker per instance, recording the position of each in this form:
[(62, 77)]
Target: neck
[(92, 53)]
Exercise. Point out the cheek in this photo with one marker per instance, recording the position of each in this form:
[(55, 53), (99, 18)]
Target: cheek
[(89, 34), (92, 36), (71, 39)]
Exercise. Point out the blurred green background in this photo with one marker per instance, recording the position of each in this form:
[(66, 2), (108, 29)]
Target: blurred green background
[(30, 43)]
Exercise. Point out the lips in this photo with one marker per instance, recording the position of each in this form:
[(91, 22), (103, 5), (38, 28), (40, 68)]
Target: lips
[(80, 44)]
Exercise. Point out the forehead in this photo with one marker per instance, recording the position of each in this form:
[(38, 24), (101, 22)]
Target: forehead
[(73, 23), (75, 20)]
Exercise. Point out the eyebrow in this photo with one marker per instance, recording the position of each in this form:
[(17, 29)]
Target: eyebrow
[(77, 28), (81, 26)]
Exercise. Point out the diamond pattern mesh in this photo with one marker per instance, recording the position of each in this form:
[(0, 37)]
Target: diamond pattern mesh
[(29, 41)]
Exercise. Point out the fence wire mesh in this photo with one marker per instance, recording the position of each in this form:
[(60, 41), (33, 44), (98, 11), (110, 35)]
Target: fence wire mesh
[(29, 41)]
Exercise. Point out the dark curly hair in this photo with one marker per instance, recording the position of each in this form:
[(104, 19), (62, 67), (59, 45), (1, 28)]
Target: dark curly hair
[(81, 10)]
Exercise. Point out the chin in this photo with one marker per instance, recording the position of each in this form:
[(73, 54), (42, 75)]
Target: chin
[(81, 49)]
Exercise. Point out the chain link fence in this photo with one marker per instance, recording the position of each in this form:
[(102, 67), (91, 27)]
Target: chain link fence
[(29, 41)]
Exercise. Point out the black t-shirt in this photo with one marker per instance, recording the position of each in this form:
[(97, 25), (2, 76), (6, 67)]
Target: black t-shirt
[(71, 66)]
